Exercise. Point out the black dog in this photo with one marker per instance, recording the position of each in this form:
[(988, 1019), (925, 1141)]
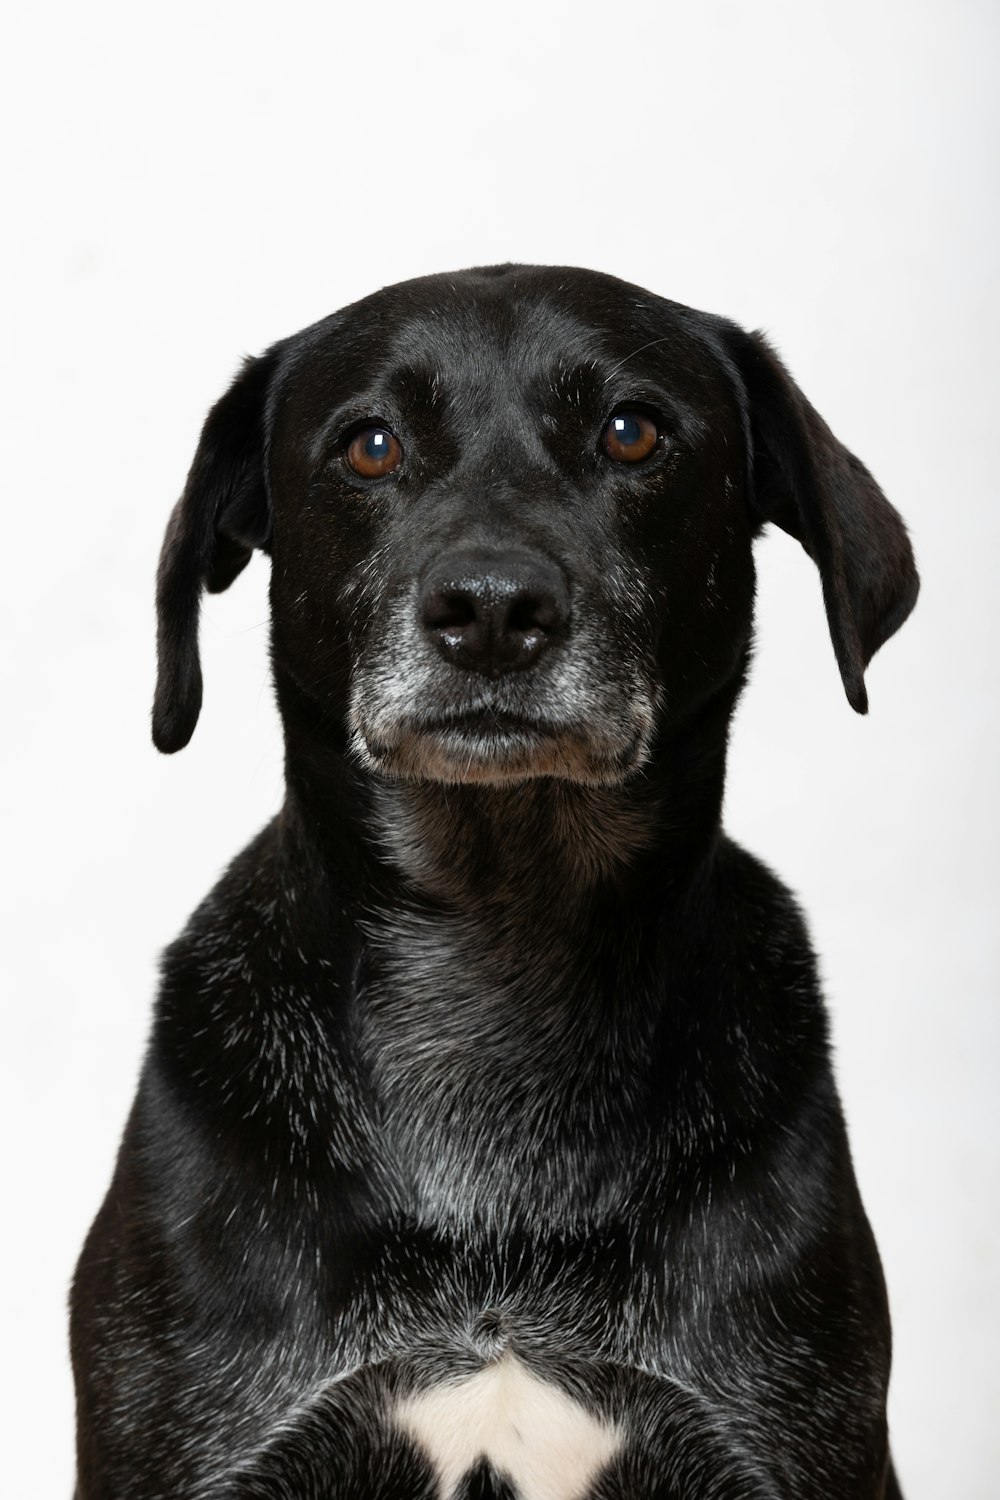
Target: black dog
[(487, 1143)]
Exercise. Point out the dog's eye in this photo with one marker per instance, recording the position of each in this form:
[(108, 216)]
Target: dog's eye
[(374, 451), (629, 436)]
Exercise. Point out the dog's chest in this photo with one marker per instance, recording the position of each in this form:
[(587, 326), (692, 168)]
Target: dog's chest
[(491, 1080), (531, 1433)]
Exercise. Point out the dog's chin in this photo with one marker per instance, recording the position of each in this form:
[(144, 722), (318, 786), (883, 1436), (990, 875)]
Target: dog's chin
[(493, 754)]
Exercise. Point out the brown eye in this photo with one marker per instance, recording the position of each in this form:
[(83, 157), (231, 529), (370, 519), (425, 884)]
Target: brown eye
[(374, 451), (629, 436)]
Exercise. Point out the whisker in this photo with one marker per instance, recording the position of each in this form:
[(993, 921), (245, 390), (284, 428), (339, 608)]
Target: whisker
[(662, 340)]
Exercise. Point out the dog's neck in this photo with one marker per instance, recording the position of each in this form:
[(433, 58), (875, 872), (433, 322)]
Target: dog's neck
[(543, 848), (507, 942), (536, 842)]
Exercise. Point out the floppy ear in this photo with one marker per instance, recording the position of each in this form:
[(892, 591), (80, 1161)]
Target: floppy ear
[(222, 515), (807, 483)]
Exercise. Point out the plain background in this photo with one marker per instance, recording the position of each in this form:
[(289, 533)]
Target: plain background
[(182, 187)]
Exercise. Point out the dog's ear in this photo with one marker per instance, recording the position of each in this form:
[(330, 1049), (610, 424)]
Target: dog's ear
[(807, 482), (223, 514)]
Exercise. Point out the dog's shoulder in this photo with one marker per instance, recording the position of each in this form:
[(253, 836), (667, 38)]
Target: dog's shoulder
[(743, 992), (755, 896), (254, 991), (276, 909), (745, 916)]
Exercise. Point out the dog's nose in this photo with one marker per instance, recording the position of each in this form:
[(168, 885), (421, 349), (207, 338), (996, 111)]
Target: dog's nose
[(494, 612)]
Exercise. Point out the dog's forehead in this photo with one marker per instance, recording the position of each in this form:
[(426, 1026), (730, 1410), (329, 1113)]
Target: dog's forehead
[(518, 328)]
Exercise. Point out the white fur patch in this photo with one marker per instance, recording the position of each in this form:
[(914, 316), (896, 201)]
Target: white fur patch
[(539, 1438)]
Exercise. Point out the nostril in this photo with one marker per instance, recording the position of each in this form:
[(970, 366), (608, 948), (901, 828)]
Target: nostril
[(529, 612), (448, 609)]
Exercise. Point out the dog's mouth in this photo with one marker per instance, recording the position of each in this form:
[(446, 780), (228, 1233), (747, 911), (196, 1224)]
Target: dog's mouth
[(495, 746), (487, 722)]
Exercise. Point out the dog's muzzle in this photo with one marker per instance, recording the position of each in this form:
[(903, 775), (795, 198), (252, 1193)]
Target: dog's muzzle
[(484, 670)]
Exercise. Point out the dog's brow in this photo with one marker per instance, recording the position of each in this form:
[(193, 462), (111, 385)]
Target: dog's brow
[(661, 340), (357, 409)]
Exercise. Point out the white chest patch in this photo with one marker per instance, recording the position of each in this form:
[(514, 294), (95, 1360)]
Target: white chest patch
[(542, 1440)]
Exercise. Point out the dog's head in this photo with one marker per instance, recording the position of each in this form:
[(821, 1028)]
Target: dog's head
[(510, 516)]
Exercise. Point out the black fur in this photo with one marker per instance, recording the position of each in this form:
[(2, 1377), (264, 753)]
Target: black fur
[(492, 1045)]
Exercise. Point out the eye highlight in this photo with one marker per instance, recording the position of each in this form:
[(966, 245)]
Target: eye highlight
[(374, 451), (629, 437)]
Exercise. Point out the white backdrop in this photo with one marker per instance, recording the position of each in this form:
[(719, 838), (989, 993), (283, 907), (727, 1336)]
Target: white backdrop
[(183, 186)]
